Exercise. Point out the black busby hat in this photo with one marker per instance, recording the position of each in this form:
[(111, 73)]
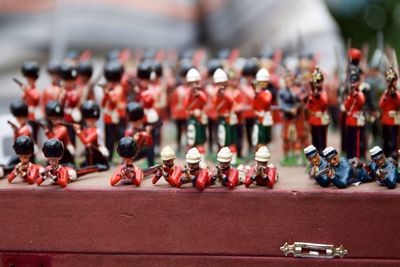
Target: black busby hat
[(144, 70), (85, 68), (30, 69), (157, 68), (113, 71), (19, 108), (184, 66), (213, 65), (135, 111), (23, 145), (53, 148), (90, 110), (68, 72), (127, 147), (250, 67), (54, 67), (54, 109)]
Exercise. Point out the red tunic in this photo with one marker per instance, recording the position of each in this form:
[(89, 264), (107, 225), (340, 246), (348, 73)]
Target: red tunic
[(270, 172), (51, 93), (209, 108), (317, 107), (262, 103), (88, 136), (28, 172), (389, 105), (172, 175), (354, 104), (23, 130), (109, 105), (141, 137), (127, 173), (178, 110), (202, 177), (31, 97), (233, 178), (223, 104), (246, 99), (59, 132), (70, 103), (59, 176)]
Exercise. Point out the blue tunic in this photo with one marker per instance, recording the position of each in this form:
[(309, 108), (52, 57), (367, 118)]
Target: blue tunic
[(322, 180), (391, 176)]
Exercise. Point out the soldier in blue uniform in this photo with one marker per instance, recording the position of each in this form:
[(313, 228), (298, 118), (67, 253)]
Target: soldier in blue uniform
[(341, 172), (317, 166), (381, 169)]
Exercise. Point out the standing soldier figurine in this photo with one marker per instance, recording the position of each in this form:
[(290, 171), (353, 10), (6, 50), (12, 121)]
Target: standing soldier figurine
[(85, 86), (53, 150), (112, 90), (355, 119), (382, 170), (52, 92), (317, 106), (390, 106), (317, 167), (26, 170), (30, 70), (193, 173), (195, 104), (168, 170), (263, 173), (128, 172), (55, 115), (224, 172), (19, 110), (227, 119), (94, 153), (262, 104)]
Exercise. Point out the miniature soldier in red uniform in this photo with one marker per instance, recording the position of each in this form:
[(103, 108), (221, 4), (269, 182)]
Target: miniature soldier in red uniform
[(85, 86), (168, 170), (140, 133), (195, 104), (52, 92), (390, 106), (26, 170), (355, 119), (53, 150), (30, 70), (317, 106), (263, 173), (193, 173), (227, 119), (55, 115), (70, 98), (127, 149), (224, 172), (261, 105), (112, 90), (94, 154)]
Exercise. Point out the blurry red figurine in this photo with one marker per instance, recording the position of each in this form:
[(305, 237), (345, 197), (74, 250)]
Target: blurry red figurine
[(264, 173), (224, 172)]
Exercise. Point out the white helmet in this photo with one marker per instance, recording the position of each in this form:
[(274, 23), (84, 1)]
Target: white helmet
[(193, 155), (224, 155), (263, 154), (167, 153), (220, 76), (262, 75), (193, 75)]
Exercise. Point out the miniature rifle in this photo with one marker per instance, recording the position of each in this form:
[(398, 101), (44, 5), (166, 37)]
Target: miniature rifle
[(20, 84), (260, 170), (186, 172), (325, 171), (152, 169), (90, 169), (13, 125)]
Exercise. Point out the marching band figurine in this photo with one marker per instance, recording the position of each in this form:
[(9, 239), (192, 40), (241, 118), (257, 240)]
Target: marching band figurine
[(26, 170), (85, 86), (19, 110), (30, 70), (262, 105), (317, 106), (195, 103), (193, 173), (168, 169), (94, 153), (317, 166), (227, 119), (390, 120), (53, 150), (224, 172), (55, 129), (128, 172), (52, 92), (382, 169), (355, 120), (264, 173)]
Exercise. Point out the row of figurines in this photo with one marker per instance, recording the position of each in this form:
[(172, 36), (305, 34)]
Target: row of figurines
[(325, 170)]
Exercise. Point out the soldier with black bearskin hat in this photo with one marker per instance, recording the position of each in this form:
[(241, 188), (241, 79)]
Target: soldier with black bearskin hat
[(53, 90)]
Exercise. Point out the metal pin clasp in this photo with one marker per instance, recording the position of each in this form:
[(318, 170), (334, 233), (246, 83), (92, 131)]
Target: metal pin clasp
[(312, 250)]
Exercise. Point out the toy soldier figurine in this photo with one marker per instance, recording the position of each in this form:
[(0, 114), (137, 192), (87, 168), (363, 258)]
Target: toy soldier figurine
[(340, 172), (85, 86), (52, 92), (382, 170), (113, 72), (317, 106), (168, 170), (55, 115), (193, 173), (69, 98), (128, 172), (263, 173), (355, 119), (26, 170), (140, 133), (227, 119), (195, 103), (19, 110), (30, 70), (317, 166), (390, 106), (53, 150), (262, 104), (224, 172), (94, 153)]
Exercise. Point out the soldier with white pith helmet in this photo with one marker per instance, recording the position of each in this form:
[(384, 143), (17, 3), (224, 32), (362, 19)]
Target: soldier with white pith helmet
[(169, 170), (264, 173), (224, 172)]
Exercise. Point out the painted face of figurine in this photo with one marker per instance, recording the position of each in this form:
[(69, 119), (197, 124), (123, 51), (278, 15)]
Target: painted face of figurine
[(91, 122), (354, 85), (263, 84), (31, 81), (24, 158), (318, 86), (128, 161), (225, 165), (53, 161), (169, 163), (315, 160), (335, 160), (69, 83), (194, 166), (21, 120), (221, 88), (380, 162)]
